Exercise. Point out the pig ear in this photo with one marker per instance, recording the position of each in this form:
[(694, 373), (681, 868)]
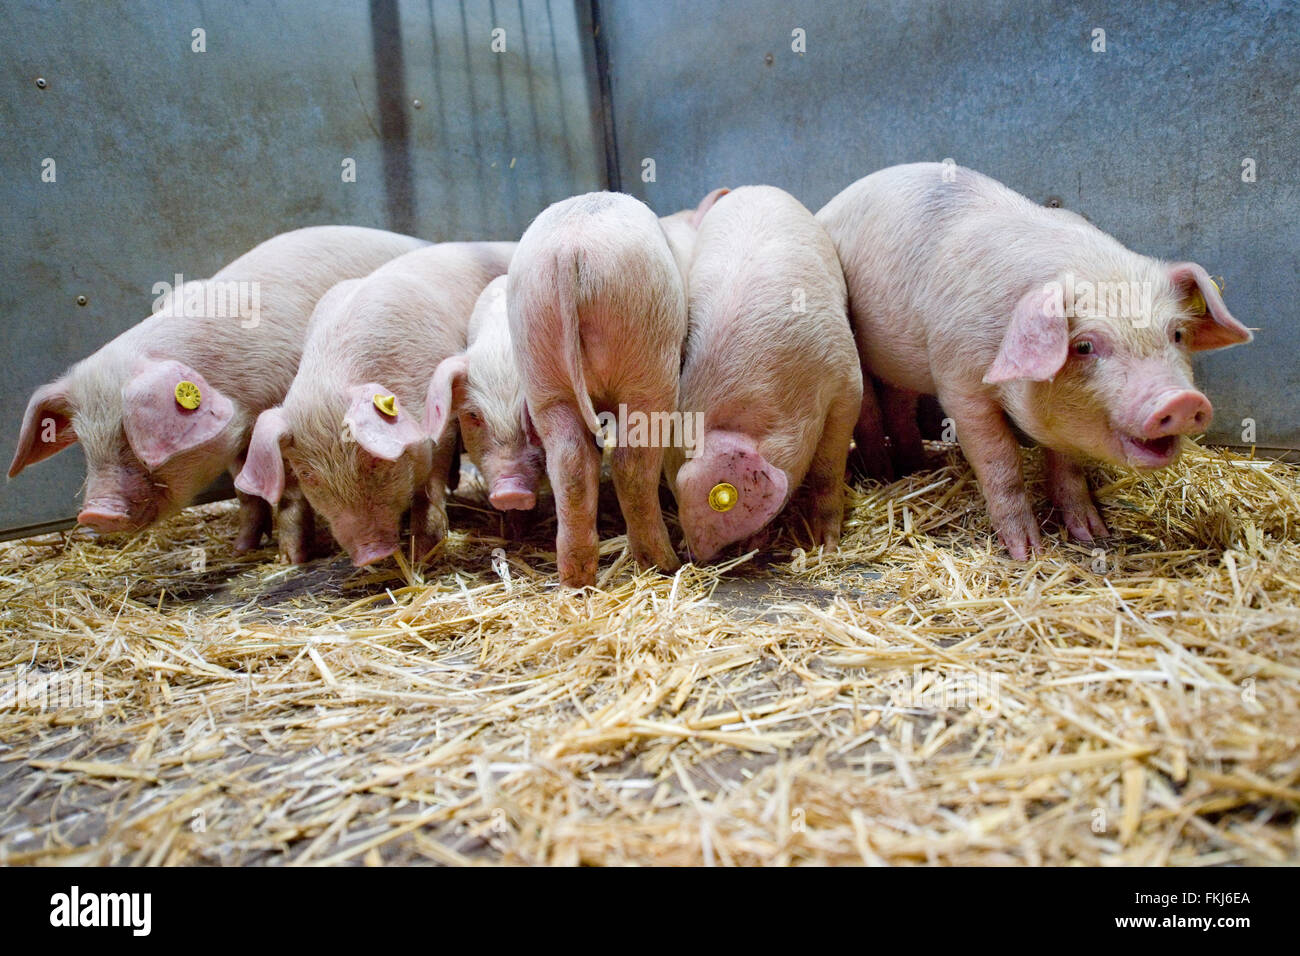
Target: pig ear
[(1214, 327), (445, 393), (169, 408), (47, 426), (1036, 342), (706, 204), (368, 420), (263, 471)]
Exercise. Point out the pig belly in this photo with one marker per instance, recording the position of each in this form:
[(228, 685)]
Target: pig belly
[(891, 353)]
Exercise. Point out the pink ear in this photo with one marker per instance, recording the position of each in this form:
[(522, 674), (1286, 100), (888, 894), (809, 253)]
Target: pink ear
[(1036, 342), (447, 385), (706, 204), (1217, 328), (47, 426), (157, 426), (384, 436), (263, 471)]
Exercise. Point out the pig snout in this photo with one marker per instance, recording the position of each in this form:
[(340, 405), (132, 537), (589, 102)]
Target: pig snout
[(1186, 412), (1154, 440), (365, 554), (512, 493), (105, 517), (727, 493), (119, 498), (367, 537)]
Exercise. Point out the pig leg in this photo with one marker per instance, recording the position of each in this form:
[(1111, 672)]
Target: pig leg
[(994, 454), (870, 459), (1069, 490), (573, 466), (636, 482), (296, 524), (254, 522), (823, 488), (900, 421), (429, 509), (254, 516)]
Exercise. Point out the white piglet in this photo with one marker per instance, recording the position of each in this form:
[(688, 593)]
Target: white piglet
[(169, 404), (480, 389), (352, 424), (1004, 309), (772, 370), (597, 308)]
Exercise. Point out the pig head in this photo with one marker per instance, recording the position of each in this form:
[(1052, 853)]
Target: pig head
[(481, 389), (1107, 387), (361, 476), (151, 444)]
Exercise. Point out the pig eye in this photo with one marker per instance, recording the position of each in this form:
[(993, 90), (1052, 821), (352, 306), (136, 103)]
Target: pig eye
[(1084, 347), (1178, 335), (474, 419)]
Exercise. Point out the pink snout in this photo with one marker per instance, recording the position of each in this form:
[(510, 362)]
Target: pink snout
[(1185, 412), (365, 554), (106, 519), (512, 493)]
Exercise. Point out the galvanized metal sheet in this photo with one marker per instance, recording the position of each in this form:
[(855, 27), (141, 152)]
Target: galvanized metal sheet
[(168, 160), (1150, 138)]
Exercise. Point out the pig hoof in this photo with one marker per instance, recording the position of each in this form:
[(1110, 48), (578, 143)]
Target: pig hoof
[(424, 545), (661, 556), (295, 554), (1084, 523), (247, 541), (578, 569), (1020, 538), (666, 564)]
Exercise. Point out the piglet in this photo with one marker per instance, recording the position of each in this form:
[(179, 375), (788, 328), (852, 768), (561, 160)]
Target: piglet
[(771, 370), (169, 404), (597, 309), (480, 390), (352, 424), (1010, 311)]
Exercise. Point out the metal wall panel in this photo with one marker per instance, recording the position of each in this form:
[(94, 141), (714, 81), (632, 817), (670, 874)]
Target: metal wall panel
[(1147, 138), (170, 160)]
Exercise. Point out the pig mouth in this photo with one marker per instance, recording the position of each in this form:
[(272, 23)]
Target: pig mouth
[(1150, 452)]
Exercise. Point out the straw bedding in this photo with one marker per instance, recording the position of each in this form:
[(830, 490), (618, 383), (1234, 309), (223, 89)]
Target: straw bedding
[(915, 697)]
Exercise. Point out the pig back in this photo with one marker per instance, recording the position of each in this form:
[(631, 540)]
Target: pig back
[(599, 263), (398, 323), (252, 355), (769, 344)]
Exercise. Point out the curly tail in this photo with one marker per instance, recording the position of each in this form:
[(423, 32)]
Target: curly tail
[(566, 282)]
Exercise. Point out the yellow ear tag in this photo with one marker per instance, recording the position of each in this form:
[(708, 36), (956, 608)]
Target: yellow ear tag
[(1196, 303), (387, 405), (723, 496), (187, 395)]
